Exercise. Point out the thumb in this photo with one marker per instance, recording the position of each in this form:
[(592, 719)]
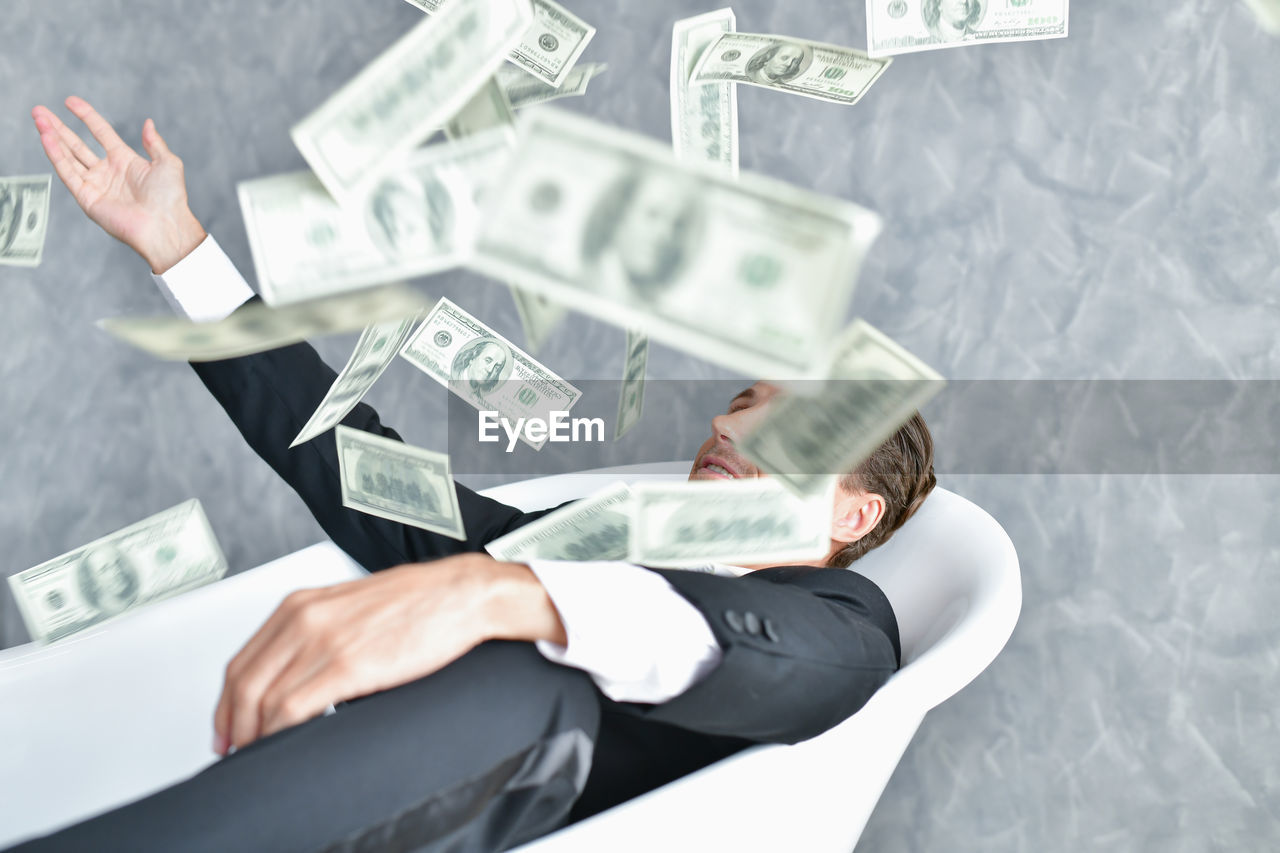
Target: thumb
[(153, 142)]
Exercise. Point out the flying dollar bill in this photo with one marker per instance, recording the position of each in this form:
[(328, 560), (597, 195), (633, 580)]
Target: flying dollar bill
[(399, 482), (256, 327), (420, 218), (828, 72), (1268, 14), (905, 26), (525, 90), (407, 93), (487, 109), (744, 522), (595, 528), (549, 47), (874, 387), (751, 273), (631, 392), (704, 119), (488, 371), (539, 316), (170, 552), (24, 219), (374, 351)]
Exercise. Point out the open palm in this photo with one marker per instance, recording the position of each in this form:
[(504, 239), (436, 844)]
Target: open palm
[(141, 202)]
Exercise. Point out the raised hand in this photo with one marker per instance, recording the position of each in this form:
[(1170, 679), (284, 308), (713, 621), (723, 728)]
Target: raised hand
[(140, 202)]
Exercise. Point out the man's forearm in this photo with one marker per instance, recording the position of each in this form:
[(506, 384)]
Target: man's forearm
[(517, 606)]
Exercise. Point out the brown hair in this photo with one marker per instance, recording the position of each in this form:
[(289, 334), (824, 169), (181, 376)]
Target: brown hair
[(900, 471)]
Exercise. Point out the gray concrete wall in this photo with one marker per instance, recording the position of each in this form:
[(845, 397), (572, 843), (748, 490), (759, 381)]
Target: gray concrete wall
[(1107, 206)]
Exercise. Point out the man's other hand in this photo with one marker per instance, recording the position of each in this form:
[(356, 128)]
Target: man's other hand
[(142, 203), (324, 646)]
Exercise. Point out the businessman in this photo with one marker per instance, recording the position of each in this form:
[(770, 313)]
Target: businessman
[(480, 703)]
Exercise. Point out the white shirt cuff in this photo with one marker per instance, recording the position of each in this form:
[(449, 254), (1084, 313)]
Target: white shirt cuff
[(638, 639), (205, 285)]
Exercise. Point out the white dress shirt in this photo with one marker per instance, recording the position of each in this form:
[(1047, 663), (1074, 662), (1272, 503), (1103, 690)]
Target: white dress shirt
[(638, 639)]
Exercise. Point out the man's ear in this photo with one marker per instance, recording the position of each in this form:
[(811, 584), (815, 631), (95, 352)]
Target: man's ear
[(856, 514)]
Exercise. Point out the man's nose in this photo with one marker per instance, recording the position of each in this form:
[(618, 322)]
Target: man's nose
[(725, 427)]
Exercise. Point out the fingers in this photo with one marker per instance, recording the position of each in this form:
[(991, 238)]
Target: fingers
[(302, 690), (153, 143), (70, 170), (98, 126), (82, 152)]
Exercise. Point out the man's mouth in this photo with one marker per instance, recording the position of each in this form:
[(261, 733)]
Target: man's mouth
[(718, 468)]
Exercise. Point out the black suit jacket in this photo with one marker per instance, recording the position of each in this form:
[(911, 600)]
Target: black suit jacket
[(803, 648)]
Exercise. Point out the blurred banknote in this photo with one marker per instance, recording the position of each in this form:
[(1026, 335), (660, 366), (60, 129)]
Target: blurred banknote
[(420, 218), (548, 48), (904, 26), (594, 528), (256, 327), (704, 118), (407, 93), (525, 90), (24, 219), (752, 273), (739, 522), (827, 72), (539, 316), (487, 109), (487, 370), (874, 387), (398, 482), (631, 392), (1268, 14), (376, 348), (168, 553)]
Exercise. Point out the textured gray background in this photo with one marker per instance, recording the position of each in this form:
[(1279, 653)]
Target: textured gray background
[(1102, 207)]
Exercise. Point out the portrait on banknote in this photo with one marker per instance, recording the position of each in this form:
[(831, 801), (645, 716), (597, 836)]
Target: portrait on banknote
[(644, 228), (405, 489), (780, 62), (107, 580), (14, 217), (408, 215), (481, 365), (952, 20)]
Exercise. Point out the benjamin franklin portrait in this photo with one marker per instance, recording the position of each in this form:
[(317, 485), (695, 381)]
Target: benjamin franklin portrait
[(107, 580), (395, 484), (482, 365), (647, 224), (10, 217), (780, 62), (952, 20), (408, 216)]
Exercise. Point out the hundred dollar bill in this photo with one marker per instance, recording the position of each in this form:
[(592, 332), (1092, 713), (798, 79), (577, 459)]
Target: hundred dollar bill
[(399, 482), (874, 386), (407, 93), (1268, 14), (594, 528), (525, 90), (828, 72), (487, 109), (704, 119), (256, 328), (168, 553), (548, 48), (742, 522), (376, 348), (486, 370), (750, 272), (24, 219), (905, 26), (421, 218), (631, 393), (539, 316)]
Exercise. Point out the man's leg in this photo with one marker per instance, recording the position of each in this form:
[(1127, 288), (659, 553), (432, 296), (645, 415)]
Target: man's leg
[(487, 753)]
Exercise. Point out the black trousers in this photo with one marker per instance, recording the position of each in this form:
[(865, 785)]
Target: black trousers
[(483, 755)]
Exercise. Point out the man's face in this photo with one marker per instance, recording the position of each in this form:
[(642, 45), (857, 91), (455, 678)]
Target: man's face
[(649, 227), (783, 60), (955, 12), (487, 364), (718, 458)]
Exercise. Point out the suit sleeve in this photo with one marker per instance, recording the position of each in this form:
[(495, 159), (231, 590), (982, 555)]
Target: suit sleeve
[(803, 649), (270, 396)]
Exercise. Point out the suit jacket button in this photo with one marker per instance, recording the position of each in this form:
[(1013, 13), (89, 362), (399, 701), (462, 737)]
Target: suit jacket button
[(770, 632), (751, 622), (733, 620)]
